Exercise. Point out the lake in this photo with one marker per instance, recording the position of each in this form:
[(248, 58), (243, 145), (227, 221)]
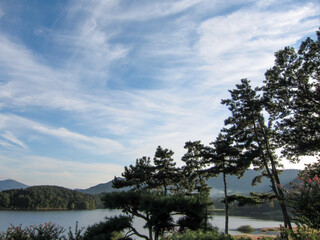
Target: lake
[(89, 217)]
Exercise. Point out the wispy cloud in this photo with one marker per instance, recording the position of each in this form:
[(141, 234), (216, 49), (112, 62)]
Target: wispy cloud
[(38, 170), (96, 145), (244, 41), (12, 138)]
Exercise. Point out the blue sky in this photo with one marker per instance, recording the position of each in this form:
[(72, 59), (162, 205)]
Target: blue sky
[(86, 87)]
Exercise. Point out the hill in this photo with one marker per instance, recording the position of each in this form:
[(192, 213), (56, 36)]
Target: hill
[(47, 197), (243, 185), (97, 189), (11, 184), (101, 188), (235, 185)]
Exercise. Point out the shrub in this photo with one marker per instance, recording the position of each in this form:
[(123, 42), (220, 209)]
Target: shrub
[(303, 198), (47, 231), (302, 233), (245, 229), (198, 235)]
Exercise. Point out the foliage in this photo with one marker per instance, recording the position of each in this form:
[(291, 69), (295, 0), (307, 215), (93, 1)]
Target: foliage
[(47, 197), (48, 231), (199, 235), (161, 176), (302, 233), (253, 199), (254, 136), (77, 235), (109, 229), (138, 176), (226, 159), (304, 197), (158, 191), (281, 115), (165, 175), (156, 209), (245, 229), (193, 174), (292, 96)]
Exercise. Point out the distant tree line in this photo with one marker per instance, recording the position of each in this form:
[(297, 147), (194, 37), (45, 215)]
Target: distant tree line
[(47, 197)]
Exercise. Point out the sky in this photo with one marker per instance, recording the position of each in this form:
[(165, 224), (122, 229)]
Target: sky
[(87, 87)]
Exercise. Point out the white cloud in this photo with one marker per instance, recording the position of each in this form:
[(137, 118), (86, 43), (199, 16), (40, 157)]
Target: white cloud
[(138, 11), (13, 139), (244, 41), (96, 145)]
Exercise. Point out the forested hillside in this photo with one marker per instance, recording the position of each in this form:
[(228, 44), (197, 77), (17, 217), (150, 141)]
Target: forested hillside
[(47, 197)]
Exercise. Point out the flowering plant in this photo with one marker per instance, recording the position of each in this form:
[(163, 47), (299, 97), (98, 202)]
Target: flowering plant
[(304, 195), (47, 231)]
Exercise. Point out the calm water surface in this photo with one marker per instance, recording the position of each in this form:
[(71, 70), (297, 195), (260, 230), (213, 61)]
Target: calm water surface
[(89, 217)]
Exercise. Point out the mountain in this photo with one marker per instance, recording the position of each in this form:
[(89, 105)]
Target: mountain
[(235, 185), (243, 185), (100, 188), (11, 184)]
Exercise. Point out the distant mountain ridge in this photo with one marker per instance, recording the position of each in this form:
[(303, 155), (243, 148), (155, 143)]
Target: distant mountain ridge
[(235, 185), (97, 189), (101, 188), (243, 185), (9, 184)]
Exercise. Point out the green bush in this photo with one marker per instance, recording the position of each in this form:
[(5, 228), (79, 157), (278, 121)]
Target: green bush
[(245, 229), (198, 235)]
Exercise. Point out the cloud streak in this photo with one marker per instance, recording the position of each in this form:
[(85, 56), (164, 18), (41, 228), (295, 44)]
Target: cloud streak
[(96, 145)]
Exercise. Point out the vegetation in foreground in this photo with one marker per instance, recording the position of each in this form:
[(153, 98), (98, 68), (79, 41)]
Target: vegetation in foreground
[(50, 231)]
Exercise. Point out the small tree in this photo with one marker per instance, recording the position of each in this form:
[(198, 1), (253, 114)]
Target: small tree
[(155, 195), (165, 175), (138, 176), (226, 159), (193, 177)]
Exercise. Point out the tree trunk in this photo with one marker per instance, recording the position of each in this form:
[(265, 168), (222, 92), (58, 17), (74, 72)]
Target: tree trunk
[(150, 233), (273, 174), (226, 229)]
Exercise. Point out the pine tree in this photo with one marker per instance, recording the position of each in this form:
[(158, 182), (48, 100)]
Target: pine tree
[(256, 135), (292, 95)]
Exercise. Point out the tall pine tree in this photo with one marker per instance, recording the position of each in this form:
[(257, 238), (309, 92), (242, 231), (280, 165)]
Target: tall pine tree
[(256, 135)]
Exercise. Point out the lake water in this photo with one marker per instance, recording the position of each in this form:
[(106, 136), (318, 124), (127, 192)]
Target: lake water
[(89, 217)]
